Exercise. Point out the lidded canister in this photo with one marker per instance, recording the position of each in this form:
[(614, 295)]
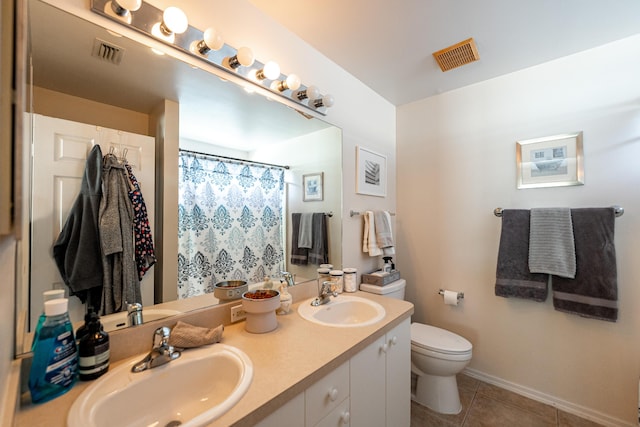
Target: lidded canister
[(323, 274), (350, 279), (336, 278)]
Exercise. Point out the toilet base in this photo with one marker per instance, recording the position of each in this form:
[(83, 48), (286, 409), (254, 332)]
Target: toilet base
[(438, 393)]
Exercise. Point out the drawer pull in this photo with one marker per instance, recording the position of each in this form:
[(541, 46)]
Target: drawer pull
[(384, 348), (346, 417), (333, 394), (394, 340)]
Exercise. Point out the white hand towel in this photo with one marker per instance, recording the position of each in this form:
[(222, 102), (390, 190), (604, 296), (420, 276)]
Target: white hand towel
[(384, 235), (369, 243)]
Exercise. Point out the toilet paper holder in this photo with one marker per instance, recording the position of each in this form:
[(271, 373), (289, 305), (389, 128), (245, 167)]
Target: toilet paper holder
[(460, 294)]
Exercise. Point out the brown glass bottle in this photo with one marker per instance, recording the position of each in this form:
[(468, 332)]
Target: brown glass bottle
[(94, 351)]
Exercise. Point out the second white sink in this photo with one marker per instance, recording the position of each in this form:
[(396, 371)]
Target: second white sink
[(343, 311)]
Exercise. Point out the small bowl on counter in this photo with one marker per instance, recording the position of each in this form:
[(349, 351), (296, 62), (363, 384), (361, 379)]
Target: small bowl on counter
[(260, 306), (230, 289)]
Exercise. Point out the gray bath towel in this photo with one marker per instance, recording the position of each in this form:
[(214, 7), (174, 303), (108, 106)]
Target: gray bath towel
[(319, 254), (305, 235), (551, 245), (299, 256), (513, 278), (594, 291)]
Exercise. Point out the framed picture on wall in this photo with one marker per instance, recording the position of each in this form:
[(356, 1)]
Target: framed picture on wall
[(371, 169), (313, 187), (552, 161)]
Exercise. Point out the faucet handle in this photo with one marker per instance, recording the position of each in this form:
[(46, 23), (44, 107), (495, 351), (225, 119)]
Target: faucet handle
[(161, 337)]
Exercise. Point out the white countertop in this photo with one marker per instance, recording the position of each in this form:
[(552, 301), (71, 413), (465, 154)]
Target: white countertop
[(286, 361)]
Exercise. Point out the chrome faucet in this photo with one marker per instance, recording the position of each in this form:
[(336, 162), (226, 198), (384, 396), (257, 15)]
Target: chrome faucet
[(134, 314), (288, 277), (324, 294), (161, 352)]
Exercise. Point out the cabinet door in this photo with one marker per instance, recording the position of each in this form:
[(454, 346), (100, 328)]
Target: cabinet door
[(399, 375), (60, 150), (290, 414), (368, 389)]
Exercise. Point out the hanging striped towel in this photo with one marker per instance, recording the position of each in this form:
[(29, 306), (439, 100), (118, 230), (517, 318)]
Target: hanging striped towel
[(551, 244)]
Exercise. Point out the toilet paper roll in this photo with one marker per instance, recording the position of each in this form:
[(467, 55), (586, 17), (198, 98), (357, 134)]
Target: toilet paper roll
[(450, 298)]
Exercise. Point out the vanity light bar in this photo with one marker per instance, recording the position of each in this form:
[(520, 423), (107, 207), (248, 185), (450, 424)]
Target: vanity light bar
[(144, 19)]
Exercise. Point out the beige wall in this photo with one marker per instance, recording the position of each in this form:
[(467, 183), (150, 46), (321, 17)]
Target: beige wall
[(312, 153), (457, 157), (63, 106)]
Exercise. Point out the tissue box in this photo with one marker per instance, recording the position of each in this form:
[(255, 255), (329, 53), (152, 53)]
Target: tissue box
[(375, 279)]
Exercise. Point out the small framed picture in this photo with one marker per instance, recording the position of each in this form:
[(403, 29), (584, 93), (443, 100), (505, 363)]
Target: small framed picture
[(552, 161), (371, 172), (313, 187)]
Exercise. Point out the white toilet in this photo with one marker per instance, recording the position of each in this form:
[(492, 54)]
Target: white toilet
[(437, 355)]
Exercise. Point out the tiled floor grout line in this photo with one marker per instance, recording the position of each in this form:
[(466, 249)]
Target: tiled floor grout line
[(473, 399)]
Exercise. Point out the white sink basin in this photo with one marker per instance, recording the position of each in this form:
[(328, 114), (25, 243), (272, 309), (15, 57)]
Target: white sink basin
[(115, 321), (343, 311), (198, 387)]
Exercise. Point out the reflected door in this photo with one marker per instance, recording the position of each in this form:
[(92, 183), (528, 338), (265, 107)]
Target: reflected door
[(60, 148)]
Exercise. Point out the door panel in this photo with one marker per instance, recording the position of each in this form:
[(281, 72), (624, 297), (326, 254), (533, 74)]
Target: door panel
[(60, 150)]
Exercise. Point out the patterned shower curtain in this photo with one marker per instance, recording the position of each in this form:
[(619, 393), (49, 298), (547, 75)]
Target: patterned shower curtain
[(230, 222)]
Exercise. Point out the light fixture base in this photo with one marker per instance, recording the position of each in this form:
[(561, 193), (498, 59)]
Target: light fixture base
[(143, 20)]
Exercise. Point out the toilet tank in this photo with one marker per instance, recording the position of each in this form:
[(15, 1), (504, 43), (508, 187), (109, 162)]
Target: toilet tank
[(392, 290)]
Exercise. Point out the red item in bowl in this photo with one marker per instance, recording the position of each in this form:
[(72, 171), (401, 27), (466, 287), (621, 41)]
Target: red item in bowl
[(260, 294)]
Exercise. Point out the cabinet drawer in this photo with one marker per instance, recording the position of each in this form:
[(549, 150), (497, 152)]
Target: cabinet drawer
[(339, 417), (325, 395)]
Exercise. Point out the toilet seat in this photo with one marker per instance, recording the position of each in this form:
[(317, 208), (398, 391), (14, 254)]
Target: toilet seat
[(430, 339)]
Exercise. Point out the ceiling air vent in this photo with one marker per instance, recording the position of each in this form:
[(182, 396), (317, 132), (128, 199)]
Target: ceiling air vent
[(457, 55), (107, 52)]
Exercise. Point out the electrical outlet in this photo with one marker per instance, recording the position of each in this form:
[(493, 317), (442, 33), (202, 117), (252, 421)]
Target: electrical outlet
[(238, 313)]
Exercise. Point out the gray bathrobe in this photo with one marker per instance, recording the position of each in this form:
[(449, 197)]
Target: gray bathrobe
[(77, 250), (121, 284)]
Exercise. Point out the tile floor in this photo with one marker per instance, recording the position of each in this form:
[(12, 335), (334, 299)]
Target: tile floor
[(485, 405)]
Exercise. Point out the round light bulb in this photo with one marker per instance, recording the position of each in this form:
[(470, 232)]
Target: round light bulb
[(271, 70), (293, 82), (245, 56), (327, 101), (130, 5), (213, 39), (312, 92), (175, 20)]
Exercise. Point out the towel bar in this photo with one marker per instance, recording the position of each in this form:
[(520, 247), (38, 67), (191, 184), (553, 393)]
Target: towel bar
[(353, 213), (460, 294), (619, 210)]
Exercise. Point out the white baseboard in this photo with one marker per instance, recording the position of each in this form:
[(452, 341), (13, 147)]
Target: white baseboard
[(572, 408)]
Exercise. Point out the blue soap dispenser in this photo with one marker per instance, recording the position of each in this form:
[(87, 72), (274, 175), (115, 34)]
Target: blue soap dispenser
[(54, 369)]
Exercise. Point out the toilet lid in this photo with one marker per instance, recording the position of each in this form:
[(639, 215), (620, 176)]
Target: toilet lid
[(437, 339)]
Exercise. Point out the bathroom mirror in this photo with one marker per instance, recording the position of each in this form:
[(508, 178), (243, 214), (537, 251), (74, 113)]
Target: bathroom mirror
[(216, 116)]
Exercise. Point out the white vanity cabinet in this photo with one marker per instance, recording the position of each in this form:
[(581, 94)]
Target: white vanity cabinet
[(324, 404), (381, 381), (371, 389)]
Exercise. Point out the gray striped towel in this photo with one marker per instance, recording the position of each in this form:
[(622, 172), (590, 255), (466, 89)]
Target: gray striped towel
[(551, 245)]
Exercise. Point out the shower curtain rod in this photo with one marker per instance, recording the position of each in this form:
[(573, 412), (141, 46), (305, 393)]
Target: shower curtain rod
[(233, 159)]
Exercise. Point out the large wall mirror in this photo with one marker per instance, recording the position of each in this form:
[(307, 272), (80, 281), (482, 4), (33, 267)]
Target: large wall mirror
[(86, 75)]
